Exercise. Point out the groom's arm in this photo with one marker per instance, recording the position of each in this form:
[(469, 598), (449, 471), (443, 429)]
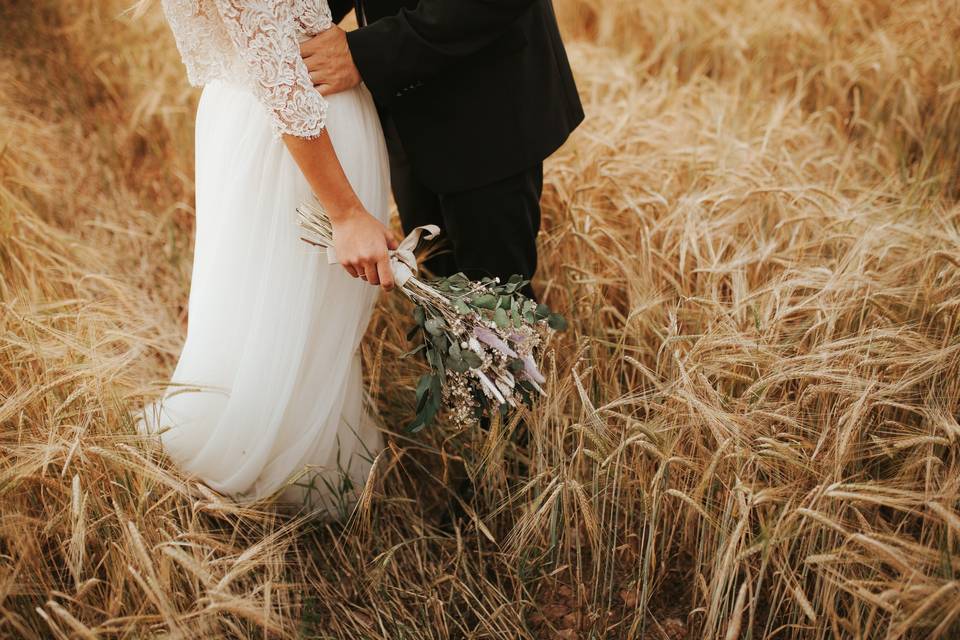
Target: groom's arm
[(401, 52)]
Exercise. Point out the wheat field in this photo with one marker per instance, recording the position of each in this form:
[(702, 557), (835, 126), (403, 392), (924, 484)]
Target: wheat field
[(752, 428)]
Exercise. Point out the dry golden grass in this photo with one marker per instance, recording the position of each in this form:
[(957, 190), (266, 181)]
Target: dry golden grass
[(753, 423)]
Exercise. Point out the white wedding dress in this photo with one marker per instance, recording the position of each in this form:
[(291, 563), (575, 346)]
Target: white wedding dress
[(268, 385)]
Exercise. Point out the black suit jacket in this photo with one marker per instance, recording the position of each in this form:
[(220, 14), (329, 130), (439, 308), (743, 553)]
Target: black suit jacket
[(478, 90)]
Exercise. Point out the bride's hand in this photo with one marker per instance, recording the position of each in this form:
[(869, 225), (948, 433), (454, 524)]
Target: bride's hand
[(362, 243)]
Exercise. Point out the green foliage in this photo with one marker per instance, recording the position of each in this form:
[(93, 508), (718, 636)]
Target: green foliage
[(483, 303)]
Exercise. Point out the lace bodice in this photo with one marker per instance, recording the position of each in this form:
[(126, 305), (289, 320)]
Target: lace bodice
[(255, 43)]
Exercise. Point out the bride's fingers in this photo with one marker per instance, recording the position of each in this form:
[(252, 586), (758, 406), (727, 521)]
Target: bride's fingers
[(371, 270), (386, 274), (316, 78), (324, 89), (351, 270)]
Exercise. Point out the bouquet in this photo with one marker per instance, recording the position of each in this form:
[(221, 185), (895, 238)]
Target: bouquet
[(480, 338)]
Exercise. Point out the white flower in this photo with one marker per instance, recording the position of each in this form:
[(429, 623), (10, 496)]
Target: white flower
[(489, 388), (475, 347), (506, 389)]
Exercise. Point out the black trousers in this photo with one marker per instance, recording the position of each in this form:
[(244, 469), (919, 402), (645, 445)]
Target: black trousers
[(489, 231)]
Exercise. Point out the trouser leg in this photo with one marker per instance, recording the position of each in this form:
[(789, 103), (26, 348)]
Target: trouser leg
[(417, 204), (493, 229)]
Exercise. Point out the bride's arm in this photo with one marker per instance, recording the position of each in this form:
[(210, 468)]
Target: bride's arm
[(362, 240), (264, 33)]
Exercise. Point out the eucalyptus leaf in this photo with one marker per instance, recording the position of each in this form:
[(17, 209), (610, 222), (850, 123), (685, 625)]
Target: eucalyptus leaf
[(557, 322), (500, 317), (454, 350), (440, 342), (457, 364), (414, 352), (485, 301), (436, 392), (419, 315), (424, 417), (434, 326), (417, 425), (472, 359), (461, 307), (435, 358), (423, 385), (515, 313)]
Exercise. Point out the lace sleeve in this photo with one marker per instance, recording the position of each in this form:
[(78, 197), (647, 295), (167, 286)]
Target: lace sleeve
[(265, 35)]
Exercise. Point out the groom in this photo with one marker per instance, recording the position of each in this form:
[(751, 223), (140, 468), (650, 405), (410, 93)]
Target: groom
[(472, 95)]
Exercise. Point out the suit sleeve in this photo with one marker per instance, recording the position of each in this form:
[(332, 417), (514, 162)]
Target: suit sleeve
[(339, 9), (404, 51)]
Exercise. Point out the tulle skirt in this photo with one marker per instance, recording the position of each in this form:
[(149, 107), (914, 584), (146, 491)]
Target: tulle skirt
[(267, 394)]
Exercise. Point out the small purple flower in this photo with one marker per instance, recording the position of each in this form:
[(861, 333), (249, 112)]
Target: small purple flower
[(489, 337), (531, 370)]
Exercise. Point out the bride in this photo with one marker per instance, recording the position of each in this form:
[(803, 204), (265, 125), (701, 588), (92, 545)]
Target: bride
[(267, 394)]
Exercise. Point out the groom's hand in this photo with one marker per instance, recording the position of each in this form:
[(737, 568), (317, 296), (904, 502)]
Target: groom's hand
[(329, 61)]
